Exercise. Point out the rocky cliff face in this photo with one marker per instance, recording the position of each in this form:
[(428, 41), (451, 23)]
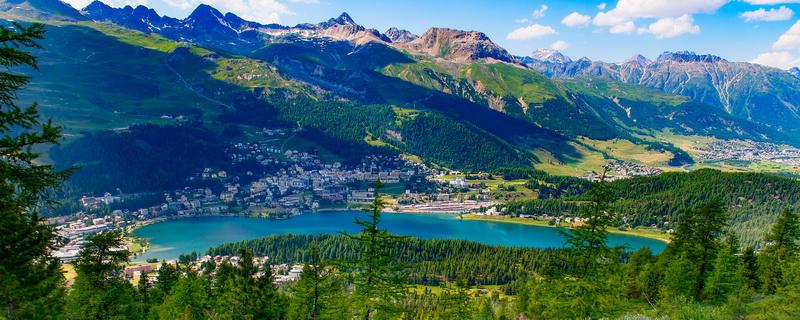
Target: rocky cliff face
[(758, 93), (340, 28), (400, 36), (458, 46)]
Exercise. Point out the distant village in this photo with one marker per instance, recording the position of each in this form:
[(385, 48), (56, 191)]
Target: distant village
[(619, 169), (750, 151), (282, 274), (291, 183), (297, 182)]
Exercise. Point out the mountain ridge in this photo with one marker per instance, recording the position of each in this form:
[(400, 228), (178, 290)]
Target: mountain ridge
[(459, 75), (761, 94)]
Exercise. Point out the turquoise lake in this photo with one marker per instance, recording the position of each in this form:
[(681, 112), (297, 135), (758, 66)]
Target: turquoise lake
[(171, 238)]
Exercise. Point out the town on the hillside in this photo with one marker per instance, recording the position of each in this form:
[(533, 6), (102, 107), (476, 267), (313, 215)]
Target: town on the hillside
[(292, 182)]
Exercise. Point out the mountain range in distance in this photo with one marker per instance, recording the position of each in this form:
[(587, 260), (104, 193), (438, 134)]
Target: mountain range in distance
[(448, 97)]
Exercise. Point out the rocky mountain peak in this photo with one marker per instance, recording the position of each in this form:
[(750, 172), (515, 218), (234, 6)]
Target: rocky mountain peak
[(97, 8), (400, 35), (145, 13), (550, 55), (458, 45), (795, 71), (344, 18), (42, 9), (688, 56), (205, 12), (638, 59)]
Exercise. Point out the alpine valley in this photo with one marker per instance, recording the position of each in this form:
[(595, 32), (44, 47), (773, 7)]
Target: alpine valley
[(211, 167), (442, 97)]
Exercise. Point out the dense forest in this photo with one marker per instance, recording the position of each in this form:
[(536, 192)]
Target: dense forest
[(344, 127), (140, 158), (431, 262), (753, 199)]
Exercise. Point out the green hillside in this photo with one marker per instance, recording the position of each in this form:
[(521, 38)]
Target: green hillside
[(753, 200), (502, 115), (89, 88)]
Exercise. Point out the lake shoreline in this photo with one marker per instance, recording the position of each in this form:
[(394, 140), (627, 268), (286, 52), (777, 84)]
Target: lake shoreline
[(649, 233), (317, 219)]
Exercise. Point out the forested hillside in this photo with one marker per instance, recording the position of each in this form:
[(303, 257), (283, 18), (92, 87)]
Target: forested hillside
[(432, 262), (142, 158), (753, 200)]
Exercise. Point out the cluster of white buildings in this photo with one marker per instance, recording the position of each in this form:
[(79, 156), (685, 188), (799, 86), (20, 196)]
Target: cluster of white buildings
[(750, 151), (96, 202), (74, 233)]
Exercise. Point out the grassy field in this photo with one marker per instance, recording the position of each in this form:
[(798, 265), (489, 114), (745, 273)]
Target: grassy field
[(69, 273), (627, 150), (476, 291), (639, 231), (84, 86), (496, 185), (588, 160)]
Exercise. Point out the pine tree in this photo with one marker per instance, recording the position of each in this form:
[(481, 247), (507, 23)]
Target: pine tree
[(485, 311), (457, 302), (589, 240), (99, 291), (143, 288), (726, 277), (750, 268), (785, 234), (378, 276), (268, 302), (166, 278), (697, 240), (781, 249), (633, 270), (31, 283), (186, 300), (318, 293)]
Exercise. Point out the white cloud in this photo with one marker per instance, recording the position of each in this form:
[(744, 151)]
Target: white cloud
[(531, 32), (623, 28), (634, 9), (779, 14), (576, 20), (305, 1), (183, 4), (522, 20), (789, 39), (539, 13), (559, 45), (264, 11), (672, 27), (674, 16), (80, 4), (769, 2), (601, 6), (778, 59)]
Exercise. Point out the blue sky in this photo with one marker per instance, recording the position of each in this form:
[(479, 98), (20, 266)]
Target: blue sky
[(739, 30)]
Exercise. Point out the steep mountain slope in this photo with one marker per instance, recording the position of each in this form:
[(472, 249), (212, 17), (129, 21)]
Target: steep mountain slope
[(89, 80), (502, 112), (764, 95), (594, 108), (41, 9), (400, 36), (160, 81), (457, 45)]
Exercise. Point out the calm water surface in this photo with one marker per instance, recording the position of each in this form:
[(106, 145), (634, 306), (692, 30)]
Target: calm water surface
[(171, 238)]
